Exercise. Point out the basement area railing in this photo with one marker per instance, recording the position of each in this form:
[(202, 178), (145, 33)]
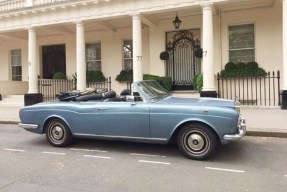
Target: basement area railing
[(49, 88), (258, 91)]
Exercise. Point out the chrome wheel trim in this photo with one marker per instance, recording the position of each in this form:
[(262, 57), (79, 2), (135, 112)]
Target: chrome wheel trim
[(56, 133), (196, 142)]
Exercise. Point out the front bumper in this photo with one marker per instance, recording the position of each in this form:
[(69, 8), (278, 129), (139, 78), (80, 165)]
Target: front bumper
[(28, 126), (241, 131)]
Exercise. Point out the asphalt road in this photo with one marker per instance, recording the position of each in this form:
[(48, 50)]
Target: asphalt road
[(29, 163)]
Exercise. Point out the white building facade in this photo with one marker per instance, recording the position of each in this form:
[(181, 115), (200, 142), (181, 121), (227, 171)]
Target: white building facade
[(41, 37)]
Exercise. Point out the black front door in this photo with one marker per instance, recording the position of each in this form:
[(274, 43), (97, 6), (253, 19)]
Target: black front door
[(182, 65), (53, 60)]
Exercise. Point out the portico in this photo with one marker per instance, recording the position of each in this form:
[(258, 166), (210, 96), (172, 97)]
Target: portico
[(107, 25)]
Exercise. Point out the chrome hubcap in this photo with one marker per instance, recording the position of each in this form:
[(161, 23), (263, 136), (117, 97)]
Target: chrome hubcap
[(57, 133), (195, 142)]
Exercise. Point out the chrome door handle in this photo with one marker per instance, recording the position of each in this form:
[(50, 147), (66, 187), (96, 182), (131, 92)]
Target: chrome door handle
[(101, 109)]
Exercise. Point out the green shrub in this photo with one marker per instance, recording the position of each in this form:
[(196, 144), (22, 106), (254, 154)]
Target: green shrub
[(260, 72), (199, 83), (243, 70), (252, 65), (230, 66), (241, 65), (125, 75), (151, 77), (95, 76), (194, 81), (165, 82), (59, 75)]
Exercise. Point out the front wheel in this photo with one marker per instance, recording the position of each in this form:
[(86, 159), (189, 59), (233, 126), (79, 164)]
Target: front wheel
[(197, 141), (57, 133)]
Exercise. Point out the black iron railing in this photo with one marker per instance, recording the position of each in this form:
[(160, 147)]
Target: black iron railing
[(51, 87), (101, 85), (260, 91)]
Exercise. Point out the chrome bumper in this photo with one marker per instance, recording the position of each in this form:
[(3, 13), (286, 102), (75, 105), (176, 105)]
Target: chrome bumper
[(28, 126), (241, 129)]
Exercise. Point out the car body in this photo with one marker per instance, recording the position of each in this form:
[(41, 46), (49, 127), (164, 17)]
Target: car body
[(147, 114)]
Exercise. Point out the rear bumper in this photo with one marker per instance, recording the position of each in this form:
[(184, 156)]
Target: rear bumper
[(241, 131), (28, 126)]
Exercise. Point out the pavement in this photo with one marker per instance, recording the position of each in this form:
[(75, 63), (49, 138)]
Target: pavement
[(261, 121)]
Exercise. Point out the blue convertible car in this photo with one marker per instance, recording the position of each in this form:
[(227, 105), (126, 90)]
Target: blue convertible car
[(148, 114)]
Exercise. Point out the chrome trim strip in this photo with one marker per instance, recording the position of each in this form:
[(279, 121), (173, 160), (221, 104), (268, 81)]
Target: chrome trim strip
[(28, 126), (241, 129), (119, 137)]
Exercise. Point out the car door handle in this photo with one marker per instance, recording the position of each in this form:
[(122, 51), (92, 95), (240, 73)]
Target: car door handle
[(101, 109)]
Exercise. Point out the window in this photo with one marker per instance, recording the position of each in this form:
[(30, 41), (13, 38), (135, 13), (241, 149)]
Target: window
[(16, 65), (128, 54), (93, 56), (241, 43)]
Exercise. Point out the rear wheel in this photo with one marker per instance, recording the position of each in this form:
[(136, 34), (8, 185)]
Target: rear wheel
[(58, 134), (197, 141)]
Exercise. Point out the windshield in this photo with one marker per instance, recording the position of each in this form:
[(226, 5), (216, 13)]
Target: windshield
[(152, 90)]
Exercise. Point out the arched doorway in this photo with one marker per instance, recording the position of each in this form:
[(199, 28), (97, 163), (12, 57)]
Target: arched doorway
[(183, 63)]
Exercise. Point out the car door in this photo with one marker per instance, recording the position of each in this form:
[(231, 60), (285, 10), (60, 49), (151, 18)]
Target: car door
[(119, 119)]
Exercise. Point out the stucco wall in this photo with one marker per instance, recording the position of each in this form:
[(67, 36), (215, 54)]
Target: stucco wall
[(268, 34), (111, 43), (268, 40), (13, 87)]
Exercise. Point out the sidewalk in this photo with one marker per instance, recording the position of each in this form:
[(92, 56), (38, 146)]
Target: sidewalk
[(265, 121), (261, 121)]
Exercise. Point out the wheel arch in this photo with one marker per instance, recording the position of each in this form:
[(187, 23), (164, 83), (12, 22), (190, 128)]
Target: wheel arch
[(174, 134), (50, 118)]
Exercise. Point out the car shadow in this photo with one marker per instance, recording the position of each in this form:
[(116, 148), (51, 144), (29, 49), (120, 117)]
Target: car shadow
[(127, 147), (233, 152)]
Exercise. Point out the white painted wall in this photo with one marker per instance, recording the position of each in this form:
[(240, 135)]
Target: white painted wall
[(268, 34), (158, 40), (268, 37)]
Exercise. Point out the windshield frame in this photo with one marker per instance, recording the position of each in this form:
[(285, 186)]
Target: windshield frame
[(151, 90)]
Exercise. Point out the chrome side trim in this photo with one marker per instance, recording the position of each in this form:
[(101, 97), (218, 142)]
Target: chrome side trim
[(241, 129), (119, 137), (28, 126)]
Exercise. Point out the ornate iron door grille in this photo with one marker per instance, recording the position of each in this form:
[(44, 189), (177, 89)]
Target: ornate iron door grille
[(182, 64)]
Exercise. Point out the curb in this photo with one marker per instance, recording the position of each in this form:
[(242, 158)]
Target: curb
[(9, 122), (266, 134)]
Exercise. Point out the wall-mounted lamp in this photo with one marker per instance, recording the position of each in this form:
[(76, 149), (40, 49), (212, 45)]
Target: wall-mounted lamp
[(177, 22)]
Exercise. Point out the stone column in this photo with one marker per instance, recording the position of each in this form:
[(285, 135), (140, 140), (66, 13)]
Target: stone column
[(284, 74), (32, 62), (33, 96), (29, 3), (137, 48), (81, 59), (209, 89)]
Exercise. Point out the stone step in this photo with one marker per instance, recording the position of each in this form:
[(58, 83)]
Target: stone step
[(12, 100), (13, 96)]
